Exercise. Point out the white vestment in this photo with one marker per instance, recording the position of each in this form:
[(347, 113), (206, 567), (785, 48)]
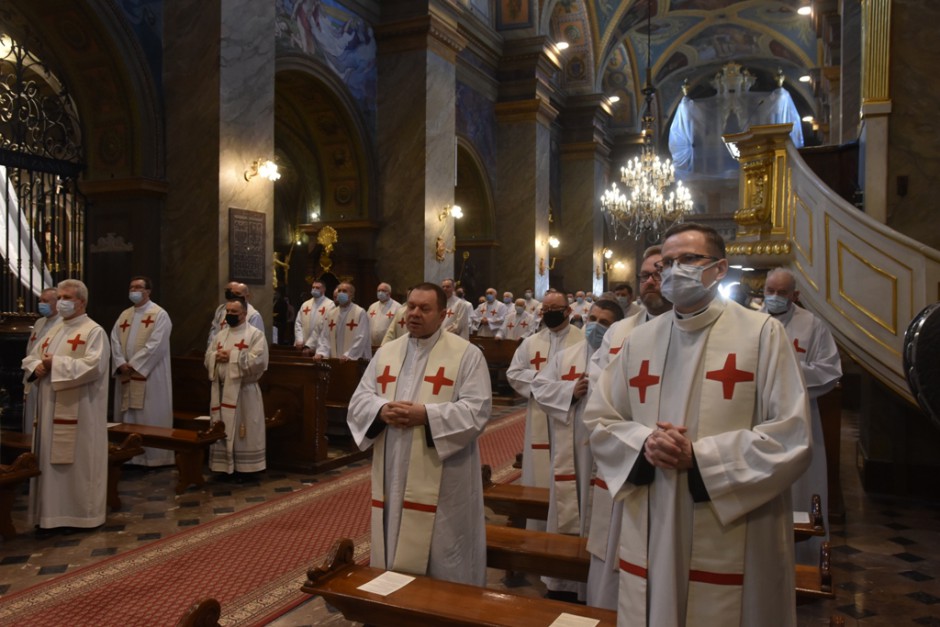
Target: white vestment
[(243, 448), (42, 327), (72, 494), (398, 326), (553, 390), (516, 327), (345, 333), (747, 473), (152, 361), (380, 318), (489, 318), (822, 369), (458, 317), (310, 319), (606, 513), (218, 321), (527, 361), (458, 542), (583, 310)]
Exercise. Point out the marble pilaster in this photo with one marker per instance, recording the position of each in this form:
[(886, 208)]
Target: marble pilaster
[(416, 146), (851, 67)]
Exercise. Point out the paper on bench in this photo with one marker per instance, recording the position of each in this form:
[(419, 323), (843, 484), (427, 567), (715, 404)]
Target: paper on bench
[(386, 583), (114, 424), (800, 518), (570, 620)]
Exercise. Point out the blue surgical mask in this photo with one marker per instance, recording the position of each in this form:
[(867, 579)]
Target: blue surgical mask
[(135, 297), (520, 310), (45, 309), (776, 304), (490, 298), (508, 301), (594, 334), (580, 300), (623, 301), (382, 296), (682, 284), (342, 298), (316, 293), (66, 307)]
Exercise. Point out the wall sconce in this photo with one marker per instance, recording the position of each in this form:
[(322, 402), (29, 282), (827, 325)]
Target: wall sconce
[(450, 210), (553, 242), (262, 167)]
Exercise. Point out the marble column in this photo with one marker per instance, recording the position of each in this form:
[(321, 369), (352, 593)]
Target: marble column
[(585, 161), (876, 105), (219, 86), (416, 145)]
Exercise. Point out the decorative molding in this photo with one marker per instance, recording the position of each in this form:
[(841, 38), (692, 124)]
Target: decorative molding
[(876, 50), (111, 243)]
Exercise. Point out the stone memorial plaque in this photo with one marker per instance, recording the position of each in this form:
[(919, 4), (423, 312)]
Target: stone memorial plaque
[(246, 246)]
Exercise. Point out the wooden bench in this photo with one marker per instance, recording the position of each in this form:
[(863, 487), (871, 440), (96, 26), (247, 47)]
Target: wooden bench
[(118, 454), (189, 447), (498, 355), (11, 477), (427, 602)]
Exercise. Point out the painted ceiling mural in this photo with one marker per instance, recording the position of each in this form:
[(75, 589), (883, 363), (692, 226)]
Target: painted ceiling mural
[(689, 39)]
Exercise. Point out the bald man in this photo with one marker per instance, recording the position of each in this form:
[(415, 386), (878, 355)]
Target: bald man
[(234, 289)]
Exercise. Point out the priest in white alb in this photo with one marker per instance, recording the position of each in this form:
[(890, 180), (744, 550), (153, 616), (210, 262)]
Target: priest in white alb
[(533, 353), (822, 369), (458, 311), (700, 426), (381, 313), (344, 333), (311, 314), (69, 369), (561, 389), (140, 364), (48, 318), (235, 364), (421, 404)]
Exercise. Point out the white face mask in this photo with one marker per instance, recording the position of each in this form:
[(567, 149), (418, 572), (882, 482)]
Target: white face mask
[(776, 304), (66, 307), (519, 310), (682, 284), (135, 297)]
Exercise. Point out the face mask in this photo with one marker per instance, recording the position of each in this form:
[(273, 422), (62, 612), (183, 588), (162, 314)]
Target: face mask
[(45, 309), (382, 296), (570, 301), (554, 318), (520, 310), (776, 304), (508, 301), (623, 301), (135, 297), (528, 295), (231, 320), (66, 307), (342, 298), (230, 295), (580, 300), (316, 293), (490, 298), (682, 284), (589, 299), (594, 334)]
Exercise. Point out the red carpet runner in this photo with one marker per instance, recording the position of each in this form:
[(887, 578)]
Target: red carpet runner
[(252, 561)]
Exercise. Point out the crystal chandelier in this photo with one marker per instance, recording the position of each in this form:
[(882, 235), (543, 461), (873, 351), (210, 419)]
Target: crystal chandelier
[(646, 208)]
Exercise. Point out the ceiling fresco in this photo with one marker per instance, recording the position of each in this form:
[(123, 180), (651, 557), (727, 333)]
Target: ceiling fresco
[(689, 39)]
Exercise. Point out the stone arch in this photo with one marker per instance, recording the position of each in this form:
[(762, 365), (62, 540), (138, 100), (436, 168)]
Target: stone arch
[(474, 194)]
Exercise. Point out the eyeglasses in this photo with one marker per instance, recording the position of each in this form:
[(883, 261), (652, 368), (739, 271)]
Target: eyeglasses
[(643, 277), (687, 259), (547, 309)]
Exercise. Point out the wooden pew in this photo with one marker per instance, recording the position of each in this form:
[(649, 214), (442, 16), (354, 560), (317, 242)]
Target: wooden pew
[(557, 555), (498, 355), (11, 477), (344, 379), (427, 602), (118, 454), (189, 447)]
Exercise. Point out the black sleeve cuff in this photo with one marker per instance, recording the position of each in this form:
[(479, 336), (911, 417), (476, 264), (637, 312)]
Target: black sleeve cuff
[(428, 437), (377, 426), (642, 472), (696, 486)]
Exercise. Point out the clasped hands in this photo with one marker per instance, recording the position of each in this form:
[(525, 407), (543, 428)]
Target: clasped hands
[(403, 414), (668, 447), (44, 367)]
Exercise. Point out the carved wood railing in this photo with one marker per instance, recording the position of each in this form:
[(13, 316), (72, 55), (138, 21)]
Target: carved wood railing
[(864, 279)]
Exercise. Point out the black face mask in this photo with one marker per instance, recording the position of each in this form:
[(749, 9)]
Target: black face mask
[(553, 319), (231, 320), (230, 295)]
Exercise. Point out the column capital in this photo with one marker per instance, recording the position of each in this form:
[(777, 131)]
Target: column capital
[(425, 32), (531, 110), (585, 121)]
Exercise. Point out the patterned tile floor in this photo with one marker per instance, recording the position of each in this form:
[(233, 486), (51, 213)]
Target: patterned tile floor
[(886, 557)]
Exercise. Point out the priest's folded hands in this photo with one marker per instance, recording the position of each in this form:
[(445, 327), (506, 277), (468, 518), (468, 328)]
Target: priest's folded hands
[(668, 447), (403, 414)]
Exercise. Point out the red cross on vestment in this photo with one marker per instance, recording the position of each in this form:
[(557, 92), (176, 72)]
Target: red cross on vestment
[(644, 379), (352, 324), (124, 325), (45, 345), (389, 315), (493, 311), (538, 360), (523, 324), (76, 341), (796, 345), (332, 324), (322, 310), (241, 345), (385, 378), (439, 381), (573, 375), (615, 349), (223, 324), (401, 322), (372, 314), (148, 321), (306, 310), (33, 338), (729, 376), (450, 312), (510, 326)]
